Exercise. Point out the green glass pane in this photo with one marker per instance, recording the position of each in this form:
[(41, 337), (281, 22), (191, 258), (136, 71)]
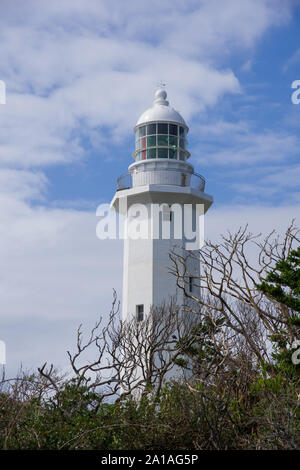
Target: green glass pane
[(162, 140), (151, 141), (151, 153), (182, 143), (173, 141), (162, 153), (181, 131), (172, 153)]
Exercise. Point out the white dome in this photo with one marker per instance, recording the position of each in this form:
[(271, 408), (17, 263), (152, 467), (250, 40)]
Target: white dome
[(161, 111)]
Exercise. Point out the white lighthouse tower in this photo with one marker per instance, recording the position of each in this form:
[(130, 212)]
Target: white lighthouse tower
[(160, 177)]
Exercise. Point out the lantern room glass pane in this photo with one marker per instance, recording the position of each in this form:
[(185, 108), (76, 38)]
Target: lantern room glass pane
[(162, 140), (173, 141), (142, 131), (151, 153), (162, 128), (173, 129), (151, 141), (162, 153), (171, 137), (151, 129)]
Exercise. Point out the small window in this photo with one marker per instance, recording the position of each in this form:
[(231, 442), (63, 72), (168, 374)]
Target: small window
[(181, 131), (140, 312), (162, 128), (172, 129), (190, 284)]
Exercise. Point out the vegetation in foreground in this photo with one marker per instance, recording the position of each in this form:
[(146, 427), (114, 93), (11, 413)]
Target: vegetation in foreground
[(239, 387)]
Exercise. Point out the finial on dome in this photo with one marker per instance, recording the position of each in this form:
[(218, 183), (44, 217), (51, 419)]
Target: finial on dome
[(161, 110), (161, 95)]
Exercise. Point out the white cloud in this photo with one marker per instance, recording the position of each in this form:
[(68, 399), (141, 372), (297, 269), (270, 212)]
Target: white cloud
[(260, 219), (74, 66), (238, 144), (272, 180), (215, 28), (22, 184)]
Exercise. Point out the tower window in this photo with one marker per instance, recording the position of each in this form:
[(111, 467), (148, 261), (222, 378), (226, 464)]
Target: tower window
[(140, 312)]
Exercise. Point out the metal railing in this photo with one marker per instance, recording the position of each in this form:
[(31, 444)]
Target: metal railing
[(196, 182), (124, 182)]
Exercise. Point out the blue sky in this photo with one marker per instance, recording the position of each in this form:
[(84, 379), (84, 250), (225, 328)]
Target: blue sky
[(78, 75)]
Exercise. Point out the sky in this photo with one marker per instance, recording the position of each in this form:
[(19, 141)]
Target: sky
[(78, 74)]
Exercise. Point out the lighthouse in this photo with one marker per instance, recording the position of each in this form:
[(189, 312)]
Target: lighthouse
[(159, 199)]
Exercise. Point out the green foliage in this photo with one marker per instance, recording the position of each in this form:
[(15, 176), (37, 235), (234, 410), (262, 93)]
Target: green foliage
[(282, 284), (235, 412)]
